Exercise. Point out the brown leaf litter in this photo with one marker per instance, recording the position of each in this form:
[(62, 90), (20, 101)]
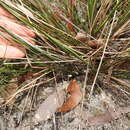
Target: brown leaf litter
[(74, 98)]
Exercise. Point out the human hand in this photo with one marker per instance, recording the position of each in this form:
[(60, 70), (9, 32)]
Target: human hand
[(9, 48)]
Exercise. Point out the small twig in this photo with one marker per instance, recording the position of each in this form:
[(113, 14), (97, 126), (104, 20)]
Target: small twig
[(43, 62), (84, 86)]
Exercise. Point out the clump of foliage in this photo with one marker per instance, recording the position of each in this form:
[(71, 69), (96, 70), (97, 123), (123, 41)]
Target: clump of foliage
[(57, 23)]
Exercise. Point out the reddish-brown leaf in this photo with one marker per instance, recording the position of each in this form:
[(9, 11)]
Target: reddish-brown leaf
[(25, 77), (70, 103), (74, 98), (70, 25), (73, 87)]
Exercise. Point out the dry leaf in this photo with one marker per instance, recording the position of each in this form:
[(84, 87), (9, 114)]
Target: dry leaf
[(70, 103), (94, 44), (73, 87), (70, 25), (81, 37), (49, 106), (25, 77), (74, 98)]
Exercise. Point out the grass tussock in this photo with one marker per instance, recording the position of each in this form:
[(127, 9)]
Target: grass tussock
[(57, 24)]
